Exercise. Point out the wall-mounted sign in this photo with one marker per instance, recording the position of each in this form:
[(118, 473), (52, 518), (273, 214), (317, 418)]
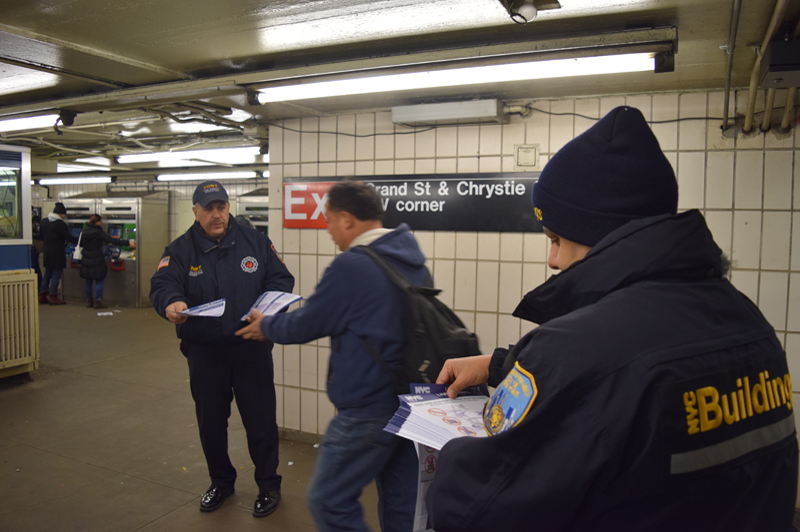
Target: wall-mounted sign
[(498, 202)]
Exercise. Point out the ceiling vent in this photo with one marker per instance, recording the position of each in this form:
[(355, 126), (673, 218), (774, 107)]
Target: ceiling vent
[(472, 112)]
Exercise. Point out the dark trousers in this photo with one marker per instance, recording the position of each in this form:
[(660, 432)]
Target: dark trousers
[(217, 373)]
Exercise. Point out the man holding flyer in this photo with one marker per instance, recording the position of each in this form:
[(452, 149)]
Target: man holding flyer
[(220, 262)]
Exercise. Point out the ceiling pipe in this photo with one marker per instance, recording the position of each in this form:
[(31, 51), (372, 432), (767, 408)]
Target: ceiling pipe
[(765, 121), (737, 7), (774, 23), (788, 112)]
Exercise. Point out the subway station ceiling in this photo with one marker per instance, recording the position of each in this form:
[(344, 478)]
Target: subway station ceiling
[(153, 75)]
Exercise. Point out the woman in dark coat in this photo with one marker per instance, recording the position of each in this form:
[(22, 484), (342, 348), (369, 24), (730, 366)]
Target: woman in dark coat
[(56, 235), (93, 263)]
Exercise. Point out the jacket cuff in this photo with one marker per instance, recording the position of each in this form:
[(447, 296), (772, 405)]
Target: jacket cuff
[(496, 373), (266, 321)]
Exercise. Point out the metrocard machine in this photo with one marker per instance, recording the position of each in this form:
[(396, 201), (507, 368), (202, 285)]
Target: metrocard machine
[(143, 217)]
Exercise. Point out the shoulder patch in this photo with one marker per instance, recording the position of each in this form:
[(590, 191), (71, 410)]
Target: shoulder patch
[(511, 402), (164, 263), (276, 252)]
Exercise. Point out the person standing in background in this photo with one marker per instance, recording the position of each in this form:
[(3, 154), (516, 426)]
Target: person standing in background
[(36, 248), (93, 263), (56, 235)]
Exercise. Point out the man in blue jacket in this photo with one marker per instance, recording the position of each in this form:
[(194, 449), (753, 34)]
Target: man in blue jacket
[(355, 303), (653, 395), (216, 258)]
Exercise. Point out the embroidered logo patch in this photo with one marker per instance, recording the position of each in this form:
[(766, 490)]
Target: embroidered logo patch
[(511, 401), (249, 264), (194, 271), (276, 253), (538, 212), (164, 263)]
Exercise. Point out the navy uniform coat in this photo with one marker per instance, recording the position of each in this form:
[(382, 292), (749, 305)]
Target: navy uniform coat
[(654, 396), (197, 269)]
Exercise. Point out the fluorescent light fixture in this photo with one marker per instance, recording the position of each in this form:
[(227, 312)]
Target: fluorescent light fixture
[(32, 122), (555, 68), (75, 181), (197, 157), (65, 168), (473, 111), (209, 175)]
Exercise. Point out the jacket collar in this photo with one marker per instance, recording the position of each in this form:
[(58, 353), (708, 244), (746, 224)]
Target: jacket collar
[(207, 243), (677, 247)]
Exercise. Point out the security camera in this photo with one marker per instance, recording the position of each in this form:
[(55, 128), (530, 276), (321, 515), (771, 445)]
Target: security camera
[(521, 11)]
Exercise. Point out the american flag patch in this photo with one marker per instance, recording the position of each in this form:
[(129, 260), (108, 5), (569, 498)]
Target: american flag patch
[(164, 262)]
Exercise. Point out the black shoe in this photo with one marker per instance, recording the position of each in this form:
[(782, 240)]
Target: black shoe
[(266, 503), (214, 497)]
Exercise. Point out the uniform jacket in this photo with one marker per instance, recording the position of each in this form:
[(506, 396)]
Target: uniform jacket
[(197, 269), (93, 263), (631, 422), (55, 234), (354, 299)]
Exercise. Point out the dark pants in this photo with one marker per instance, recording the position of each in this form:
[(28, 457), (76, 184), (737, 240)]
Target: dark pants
[(217, 373), (52, 276)]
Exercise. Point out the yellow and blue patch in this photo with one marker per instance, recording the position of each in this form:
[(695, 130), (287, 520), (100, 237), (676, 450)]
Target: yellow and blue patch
[(511, 401)]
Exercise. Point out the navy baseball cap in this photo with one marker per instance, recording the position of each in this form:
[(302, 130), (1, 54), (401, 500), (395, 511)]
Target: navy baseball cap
[(209, 191)]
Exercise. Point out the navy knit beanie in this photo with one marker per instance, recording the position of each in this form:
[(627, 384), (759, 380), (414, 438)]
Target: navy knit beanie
[(612, 173)]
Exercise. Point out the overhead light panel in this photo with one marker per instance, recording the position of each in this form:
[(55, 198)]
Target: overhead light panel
[(209, 175), (533, 70), (197, 157), (450, 113), (31, 122), (75, 181)]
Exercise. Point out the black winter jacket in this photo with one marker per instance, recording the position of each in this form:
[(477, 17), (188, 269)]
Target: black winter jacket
[(654, 396), (93, 263), (56, 235), (196, 269)]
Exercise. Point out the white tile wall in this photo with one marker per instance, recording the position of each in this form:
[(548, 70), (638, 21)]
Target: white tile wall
[(747, 187)]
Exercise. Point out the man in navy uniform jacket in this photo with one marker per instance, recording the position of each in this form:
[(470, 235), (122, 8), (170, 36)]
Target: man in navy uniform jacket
[(653, 395), (216, 258)]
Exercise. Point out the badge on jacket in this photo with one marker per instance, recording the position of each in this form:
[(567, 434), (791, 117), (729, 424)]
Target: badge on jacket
[(249, 264), (511, 402)]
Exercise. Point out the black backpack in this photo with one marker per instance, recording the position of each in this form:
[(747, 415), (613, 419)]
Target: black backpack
[(433, 332)]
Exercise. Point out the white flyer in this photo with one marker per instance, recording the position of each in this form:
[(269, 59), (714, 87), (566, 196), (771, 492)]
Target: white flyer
[(270, 303), (213, 309)]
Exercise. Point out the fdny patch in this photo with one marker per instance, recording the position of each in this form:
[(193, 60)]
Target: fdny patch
[(276, 253), (249, 264), (194, 271), (719, 419), (164, 263), (511, 401)]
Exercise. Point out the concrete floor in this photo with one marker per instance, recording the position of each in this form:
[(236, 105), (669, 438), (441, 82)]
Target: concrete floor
[(103, 437)]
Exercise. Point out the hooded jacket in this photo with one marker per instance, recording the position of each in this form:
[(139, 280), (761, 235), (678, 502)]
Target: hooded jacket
[(56, 235), (197, 269), (93, 263), (354, 299), (659, 398)]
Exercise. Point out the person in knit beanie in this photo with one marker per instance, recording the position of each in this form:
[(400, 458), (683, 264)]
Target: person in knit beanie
[(642, 399)]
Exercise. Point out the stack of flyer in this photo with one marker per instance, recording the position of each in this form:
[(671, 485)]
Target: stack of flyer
[(430, 418)]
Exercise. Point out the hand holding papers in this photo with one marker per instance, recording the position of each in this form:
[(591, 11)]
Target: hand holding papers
[(213, 309), (270, 303), (433, 419)]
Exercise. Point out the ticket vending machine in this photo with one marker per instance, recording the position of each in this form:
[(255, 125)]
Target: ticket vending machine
[(255, 207), (143, 217), (79, 209)]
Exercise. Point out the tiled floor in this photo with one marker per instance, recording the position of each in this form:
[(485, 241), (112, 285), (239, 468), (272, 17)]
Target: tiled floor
[(103, 437)]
